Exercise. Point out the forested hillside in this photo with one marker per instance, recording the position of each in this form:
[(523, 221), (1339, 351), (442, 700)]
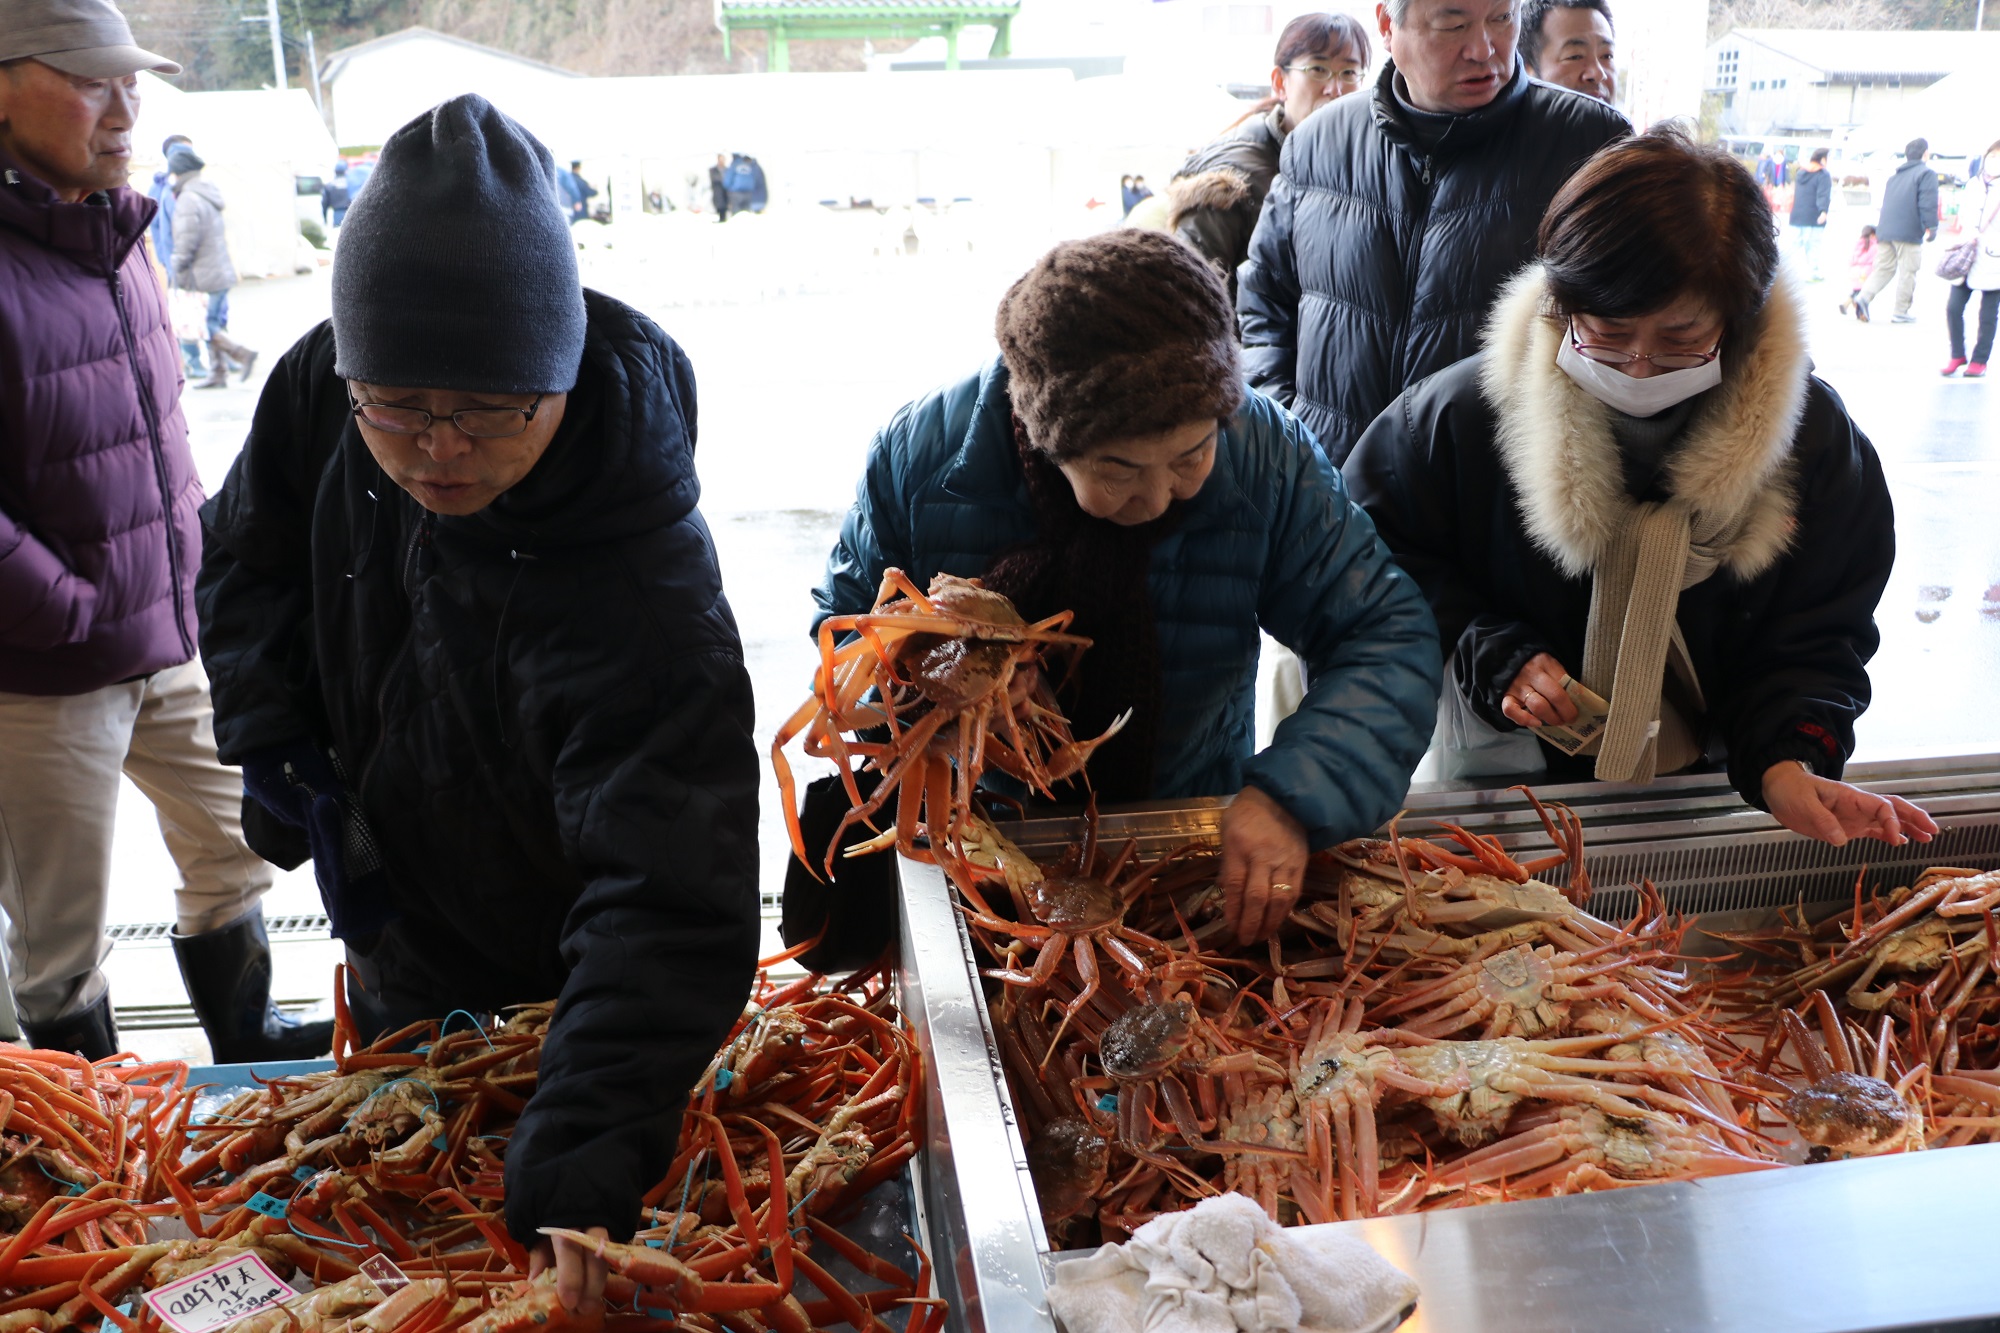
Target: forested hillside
[(221, 50)]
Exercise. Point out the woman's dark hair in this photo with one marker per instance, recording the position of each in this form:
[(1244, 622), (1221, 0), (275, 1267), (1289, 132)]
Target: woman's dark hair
[(1655, 217), (1312, 34)]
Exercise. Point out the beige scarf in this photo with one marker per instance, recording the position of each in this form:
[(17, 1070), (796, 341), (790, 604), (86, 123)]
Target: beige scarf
[(1633, 639)]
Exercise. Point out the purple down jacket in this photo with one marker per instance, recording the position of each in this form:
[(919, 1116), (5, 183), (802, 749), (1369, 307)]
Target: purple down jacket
[(99, 538)]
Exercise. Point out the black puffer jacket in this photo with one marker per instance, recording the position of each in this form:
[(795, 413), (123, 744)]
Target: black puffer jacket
[(546, 719), (1375, 260), (1497, 482), (1214, 199)]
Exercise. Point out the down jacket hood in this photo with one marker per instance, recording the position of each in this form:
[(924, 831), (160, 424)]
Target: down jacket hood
[(201, 189)]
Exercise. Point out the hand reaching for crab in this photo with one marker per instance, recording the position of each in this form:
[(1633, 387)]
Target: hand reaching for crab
[(579, 1273), (1837, 812), (1263, 864)]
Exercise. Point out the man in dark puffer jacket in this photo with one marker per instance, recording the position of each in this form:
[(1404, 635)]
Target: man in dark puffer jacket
[(1396, 218), (470, 637)]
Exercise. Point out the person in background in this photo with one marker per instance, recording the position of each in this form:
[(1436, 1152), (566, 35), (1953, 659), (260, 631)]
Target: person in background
[(1910, 217), (1397, 217), (334, 197), (740, 180), (1979, 211), (201, 262), (456, 594), (1812, 202), (576, 192), (1860, 264), (1640, 483), (162, 234), (1571, 43), (1126, 199), (1214, 199), (99, 541), (718, 193)]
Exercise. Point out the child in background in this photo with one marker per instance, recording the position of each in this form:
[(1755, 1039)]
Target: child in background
[(1859, 266)]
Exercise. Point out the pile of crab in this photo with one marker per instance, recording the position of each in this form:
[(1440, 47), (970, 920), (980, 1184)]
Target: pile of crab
[(1433, 1027), (1904, 985), (399, 1153)]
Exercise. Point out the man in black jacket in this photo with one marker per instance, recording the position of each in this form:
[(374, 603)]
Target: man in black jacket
[(1396, 218), (1812, 199), (468, 635), (1909, 218)]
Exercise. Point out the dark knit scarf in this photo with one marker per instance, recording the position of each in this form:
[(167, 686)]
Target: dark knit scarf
[(1097, 569)]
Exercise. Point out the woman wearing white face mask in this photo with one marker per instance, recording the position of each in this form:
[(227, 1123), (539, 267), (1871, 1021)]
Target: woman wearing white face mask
[(1638, 484)]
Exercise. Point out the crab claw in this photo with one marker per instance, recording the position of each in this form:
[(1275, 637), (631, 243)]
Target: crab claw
[(644, 1265)]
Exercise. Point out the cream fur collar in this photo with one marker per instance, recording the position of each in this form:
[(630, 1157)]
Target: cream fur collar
[(1734, 468)]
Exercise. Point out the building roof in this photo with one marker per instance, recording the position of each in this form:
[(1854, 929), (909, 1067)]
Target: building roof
[(331, 67), (1845, 55)]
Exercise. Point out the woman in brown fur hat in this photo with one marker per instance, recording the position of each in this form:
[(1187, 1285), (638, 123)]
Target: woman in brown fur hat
[(1108, 462), (1639, 493)]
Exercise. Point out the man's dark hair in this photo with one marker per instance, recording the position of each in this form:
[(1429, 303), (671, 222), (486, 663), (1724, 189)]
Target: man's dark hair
[(1653, 218), (1314, 34), (1535, 13), (167, 143), (1820, 154), (575, 163), (1916, 150)]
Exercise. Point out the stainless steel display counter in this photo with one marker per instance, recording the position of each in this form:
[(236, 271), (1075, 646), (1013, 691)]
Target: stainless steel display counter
[(1896, 1242)]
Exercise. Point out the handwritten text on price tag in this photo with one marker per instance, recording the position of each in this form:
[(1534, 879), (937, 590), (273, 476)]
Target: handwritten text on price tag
[(219, 1295)]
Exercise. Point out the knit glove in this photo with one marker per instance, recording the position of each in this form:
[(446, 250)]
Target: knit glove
[(303, 786)]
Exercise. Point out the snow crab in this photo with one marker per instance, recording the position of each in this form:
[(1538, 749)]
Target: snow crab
[(956, 683)]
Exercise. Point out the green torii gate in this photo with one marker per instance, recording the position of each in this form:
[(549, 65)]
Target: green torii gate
[(819, 20)]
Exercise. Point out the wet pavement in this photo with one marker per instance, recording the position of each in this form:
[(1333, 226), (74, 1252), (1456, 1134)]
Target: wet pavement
[(805, 339)]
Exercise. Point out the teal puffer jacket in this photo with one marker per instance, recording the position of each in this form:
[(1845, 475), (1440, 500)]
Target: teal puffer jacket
[(1272, 540)]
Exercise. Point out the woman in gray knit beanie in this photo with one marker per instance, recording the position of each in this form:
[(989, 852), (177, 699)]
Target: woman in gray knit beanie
[(1108, 462)]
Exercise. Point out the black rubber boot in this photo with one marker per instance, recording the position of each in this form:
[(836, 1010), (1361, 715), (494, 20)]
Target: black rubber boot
[(92, 1033), (228, 977)]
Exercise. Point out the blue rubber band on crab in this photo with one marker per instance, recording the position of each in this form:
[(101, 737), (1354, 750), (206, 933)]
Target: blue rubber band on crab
[(471, 1018), (1108, 1102), (657, 1243), (723, 1078), (68, 1186)]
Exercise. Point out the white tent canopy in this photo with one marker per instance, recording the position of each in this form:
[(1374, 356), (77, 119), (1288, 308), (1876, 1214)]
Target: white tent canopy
[(256, 145)]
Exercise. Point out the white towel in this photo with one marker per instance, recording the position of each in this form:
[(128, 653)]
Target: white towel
[(1224, 1267)]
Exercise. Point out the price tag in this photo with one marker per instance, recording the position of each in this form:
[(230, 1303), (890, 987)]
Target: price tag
[(382, 1271), (219, 1295)]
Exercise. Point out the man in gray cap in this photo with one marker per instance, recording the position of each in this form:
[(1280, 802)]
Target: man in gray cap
[(99, 541), (470, 646)]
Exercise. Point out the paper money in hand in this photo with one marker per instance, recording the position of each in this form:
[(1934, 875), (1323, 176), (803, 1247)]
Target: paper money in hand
[(1573, 738)]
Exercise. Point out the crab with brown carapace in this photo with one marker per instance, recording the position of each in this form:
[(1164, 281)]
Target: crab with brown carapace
[(953, 680)]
